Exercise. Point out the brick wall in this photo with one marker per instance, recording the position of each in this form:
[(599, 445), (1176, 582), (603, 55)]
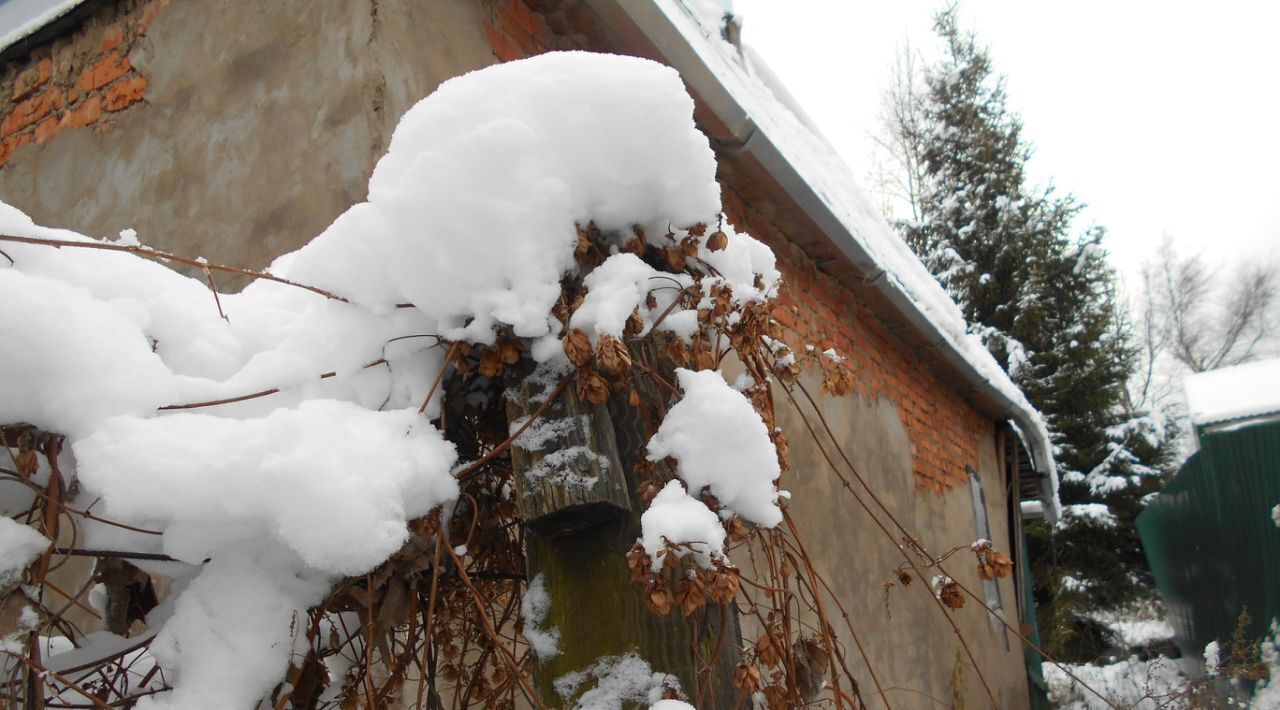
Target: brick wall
[(815, 309), (515, 30), (81, 80)]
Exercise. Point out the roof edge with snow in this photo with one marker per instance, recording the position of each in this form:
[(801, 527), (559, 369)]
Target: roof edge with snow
[(34, 24), (746, 120)]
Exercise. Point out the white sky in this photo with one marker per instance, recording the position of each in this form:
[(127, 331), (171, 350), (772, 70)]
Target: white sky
[(1162, 116)]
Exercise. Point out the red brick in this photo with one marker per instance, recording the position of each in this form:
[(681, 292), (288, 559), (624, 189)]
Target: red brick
[(112, 38), (99, 74), (46, 128), (32, 78), (126, 93), (501, 46), (531, 22), (87, 112), (31, 111)]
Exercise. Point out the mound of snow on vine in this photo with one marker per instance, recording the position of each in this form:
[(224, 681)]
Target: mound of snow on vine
[(296, 453)]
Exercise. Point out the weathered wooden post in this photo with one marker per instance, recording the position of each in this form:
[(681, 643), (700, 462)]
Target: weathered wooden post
[(575, 485)]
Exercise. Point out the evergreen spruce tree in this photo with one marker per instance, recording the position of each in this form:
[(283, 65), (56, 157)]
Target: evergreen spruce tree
[(1044, 302)]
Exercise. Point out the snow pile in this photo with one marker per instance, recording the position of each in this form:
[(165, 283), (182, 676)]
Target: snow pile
[(618, 680), (1212, 658), (1092, 513), (674, 516), (1136, 631), (623, 284), (471, 214), (1132, 683), (1267, 693), (19, 547), (720, 444), (1236, 392), (471, 220), (534, 607)]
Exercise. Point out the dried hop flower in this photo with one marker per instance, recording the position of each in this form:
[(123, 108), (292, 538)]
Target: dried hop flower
[(718, 241), (612, 355), (577, 346)]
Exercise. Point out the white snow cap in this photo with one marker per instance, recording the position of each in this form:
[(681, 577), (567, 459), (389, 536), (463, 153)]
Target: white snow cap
[(471, 213), (673, 516), (719, 442), (19, 547), (1238, 392)]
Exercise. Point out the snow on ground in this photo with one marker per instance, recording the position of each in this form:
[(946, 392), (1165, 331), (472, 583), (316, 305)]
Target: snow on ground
[(1141, 632), (1131, 683), (471, 220)]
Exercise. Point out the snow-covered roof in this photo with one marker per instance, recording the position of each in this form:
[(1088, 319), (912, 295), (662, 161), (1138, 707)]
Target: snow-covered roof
[(20, 19), (1232, 393), (729, 83)]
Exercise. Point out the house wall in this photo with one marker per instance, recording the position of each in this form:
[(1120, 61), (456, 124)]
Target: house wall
[(913, 440), (240, 135), (213, 131)]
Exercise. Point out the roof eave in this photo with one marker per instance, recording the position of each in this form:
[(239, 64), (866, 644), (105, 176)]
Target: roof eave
[(648, 31)]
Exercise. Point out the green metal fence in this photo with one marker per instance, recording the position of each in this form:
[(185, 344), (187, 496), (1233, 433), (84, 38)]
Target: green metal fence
[(1211, 539)]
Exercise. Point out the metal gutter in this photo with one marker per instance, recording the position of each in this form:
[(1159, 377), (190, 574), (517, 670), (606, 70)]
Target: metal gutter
[(642, 22)]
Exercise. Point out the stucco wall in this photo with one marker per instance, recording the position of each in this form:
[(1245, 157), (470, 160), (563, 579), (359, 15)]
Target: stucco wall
[(256, 129), (912, 648)]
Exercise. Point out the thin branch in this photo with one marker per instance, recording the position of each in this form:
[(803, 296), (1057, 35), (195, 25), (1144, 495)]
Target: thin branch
[(157, 255)]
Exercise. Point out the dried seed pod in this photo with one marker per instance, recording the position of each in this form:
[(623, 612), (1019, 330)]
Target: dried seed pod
[(726, 585), (691, 594), (584, 243), (768, 650), (994, 565), (838, 382), (510, 350), (678, 351), (491, 362), (698, 229), (950, 595), (746, 679), (647, 490), (657, 597), (638, 563), (775, 697), (577, 346), (27, 462), (592, 387), (789, 372), (718, 241), (634, 325), (736, 529), (689, 246), (703, 357), (675, 258), (905, 578), (612, 355)]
